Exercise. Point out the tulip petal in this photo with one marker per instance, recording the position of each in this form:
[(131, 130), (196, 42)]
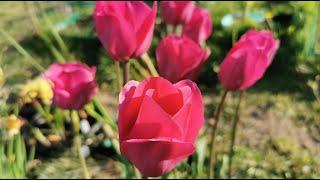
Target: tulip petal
[(154, 157), (163, 125), (145, 32), (199, 27), (179, 58), (231, 73), (191, 116), (114, 31), (164, 93), (128, 108), (176, 12)]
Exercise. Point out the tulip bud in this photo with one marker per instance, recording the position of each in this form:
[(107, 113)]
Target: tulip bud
[(199, 27), (125, 28), (248, 60), (73, 84), (180, 58), (176, 12)]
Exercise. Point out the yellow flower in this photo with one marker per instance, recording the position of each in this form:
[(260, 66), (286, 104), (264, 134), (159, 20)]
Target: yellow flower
[(269, 15), (38, 88), (13, 125)]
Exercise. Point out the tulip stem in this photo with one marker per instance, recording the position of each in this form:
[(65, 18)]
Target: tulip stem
[(125, 71), (105, 113), (81, 157), (233, 134), (141, 69), (147, 60), (77, 140), (213, 135), (119, 78)]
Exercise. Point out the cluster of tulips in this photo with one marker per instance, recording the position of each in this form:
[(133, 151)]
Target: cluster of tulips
[(160, 118)]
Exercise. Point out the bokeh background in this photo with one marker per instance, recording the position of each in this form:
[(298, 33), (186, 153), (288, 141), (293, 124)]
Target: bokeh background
[(279, 134)]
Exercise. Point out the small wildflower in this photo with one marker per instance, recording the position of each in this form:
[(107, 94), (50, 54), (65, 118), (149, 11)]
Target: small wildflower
[(13, 125), (37, 89)]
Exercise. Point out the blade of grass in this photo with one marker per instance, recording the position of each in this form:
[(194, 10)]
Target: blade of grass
[(54, 32), (43, 35), (21, 50)]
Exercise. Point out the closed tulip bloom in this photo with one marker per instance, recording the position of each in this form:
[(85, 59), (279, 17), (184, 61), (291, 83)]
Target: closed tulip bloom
[(125, 28), (73, 84), (248, 60), (176, 12), (180, 58), (199, 27), (159, 123)]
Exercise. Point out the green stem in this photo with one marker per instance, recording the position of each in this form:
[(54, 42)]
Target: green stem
[(104, 113), (178, 30), (213, 135), (233, 134), (75, 121), (44, 112), (125, 71), (32, 152), (119, 77), (141, 69), (81, 157), (106, 128), (147, 60), (77, 140)]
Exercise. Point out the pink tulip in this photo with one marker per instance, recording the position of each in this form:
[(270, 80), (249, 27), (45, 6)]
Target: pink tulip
[(199, 27), (125, 28), (180, 58), (248, 60), (176, 12), (159, 123), (73, 84)]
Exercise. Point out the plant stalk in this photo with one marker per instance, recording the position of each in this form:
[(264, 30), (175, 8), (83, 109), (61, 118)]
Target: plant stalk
[(213, 135), (233, 134)]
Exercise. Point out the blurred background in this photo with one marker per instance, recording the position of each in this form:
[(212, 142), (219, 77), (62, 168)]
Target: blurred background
[(279, 134)]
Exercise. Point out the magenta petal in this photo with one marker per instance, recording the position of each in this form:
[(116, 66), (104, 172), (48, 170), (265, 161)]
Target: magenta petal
[(145, 32), (128, 108), (73, 84), (195, 111), (114, 31), (199, 27), (176, 12), (179, 58), (154, 157), (164, 130), (248, 60), (163, 126)]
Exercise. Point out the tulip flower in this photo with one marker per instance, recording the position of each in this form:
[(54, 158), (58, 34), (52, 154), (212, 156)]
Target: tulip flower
[(248, 60), (176, 12), (159, 123), (72, 83), (199, 28), (125, 28), (180, 58)]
